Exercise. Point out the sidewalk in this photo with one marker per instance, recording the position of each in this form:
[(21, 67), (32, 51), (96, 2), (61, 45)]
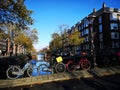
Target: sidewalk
[(31, 81)]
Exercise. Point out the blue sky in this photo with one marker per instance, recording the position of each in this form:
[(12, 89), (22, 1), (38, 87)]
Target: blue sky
[(48, 15)]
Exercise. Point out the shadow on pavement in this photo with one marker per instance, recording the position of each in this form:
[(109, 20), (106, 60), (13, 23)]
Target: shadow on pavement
[(111, 82)]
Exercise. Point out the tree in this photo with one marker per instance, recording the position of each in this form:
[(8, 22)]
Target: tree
[(3, 34), (15, 17), (74, 39), (15, 13), (56, 41), (62, 28), (33, 34), (22, 39)]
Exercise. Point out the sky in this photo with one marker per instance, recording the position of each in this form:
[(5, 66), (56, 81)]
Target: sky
[(48, 15)]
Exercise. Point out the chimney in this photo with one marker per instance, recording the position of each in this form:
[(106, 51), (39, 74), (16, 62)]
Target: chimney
[(94, 10), (104, 5)]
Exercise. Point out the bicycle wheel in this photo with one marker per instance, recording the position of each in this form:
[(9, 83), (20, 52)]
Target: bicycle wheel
[(43, 69), (11, 72), (60, 67), (85, 64), (30, 71), (71, 66)]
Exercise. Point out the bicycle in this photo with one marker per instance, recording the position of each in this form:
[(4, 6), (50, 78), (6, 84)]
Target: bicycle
[(58, 66), (33, 68), (83, 63), (14, 72)]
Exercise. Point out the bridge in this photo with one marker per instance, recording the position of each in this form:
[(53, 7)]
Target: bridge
[(30, 81)]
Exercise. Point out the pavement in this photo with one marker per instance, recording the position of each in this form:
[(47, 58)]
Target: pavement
[(94, 79)]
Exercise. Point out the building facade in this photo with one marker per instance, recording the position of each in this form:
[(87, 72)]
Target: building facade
[(100, 29), (7, 49)]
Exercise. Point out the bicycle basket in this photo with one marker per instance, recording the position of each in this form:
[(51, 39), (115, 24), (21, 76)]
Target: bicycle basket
[(59, 59)]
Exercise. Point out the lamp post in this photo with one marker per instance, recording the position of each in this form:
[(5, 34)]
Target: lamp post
[(92, 36)]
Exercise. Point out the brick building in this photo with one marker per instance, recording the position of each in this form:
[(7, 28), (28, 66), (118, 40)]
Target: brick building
[(100, 29)]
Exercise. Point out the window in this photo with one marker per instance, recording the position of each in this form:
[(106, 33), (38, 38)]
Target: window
[(86, 31), (114, 35), (118, 10), (83, 47), (86, 39), (82, 26), (82, 33), (86, 23), (114, 26), (113, 16), (101, 45), (79, 28), (100, 19), (101, 37), (115, 45), (87, 46), (100, 28)]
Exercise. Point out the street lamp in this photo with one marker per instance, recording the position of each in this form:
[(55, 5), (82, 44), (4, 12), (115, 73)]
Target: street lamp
[(92, 35)]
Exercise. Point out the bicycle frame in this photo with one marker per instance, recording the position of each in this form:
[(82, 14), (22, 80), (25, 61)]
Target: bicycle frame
[(82, 63)]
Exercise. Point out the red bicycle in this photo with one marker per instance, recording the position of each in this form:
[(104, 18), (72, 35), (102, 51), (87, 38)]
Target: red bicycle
[(83, 63)]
